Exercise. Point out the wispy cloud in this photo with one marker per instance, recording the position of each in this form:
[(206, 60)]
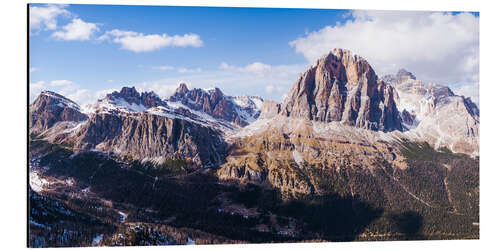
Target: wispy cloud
[(186, 70), (45, 17), (139, 42), (271, 89), (178, 69), (61, 83), (33, 69), (468, 90), (162, 88), (269, 81), (66, 88), (35, 89), (436, 46), (163, 68), (76, 30), (256, 68)]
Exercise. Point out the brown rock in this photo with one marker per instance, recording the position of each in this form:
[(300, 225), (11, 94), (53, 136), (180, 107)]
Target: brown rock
[(146, 136), (50, 108), (343, 87), (270, 109)]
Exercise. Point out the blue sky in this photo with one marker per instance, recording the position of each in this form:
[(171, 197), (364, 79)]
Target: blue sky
[(85, 51)]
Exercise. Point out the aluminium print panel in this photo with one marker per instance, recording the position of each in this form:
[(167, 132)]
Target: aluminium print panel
[(162, 125)]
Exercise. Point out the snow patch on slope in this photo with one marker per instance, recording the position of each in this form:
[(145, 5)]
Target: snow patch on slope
[(62, 101), (36, 182), (116, 105), (297, 157)]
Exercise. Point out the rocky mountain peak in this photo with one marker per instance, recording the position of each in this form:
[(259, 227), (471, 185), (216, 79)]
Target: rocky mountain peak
[(346, 66), (216, 93), (216, 104), (131, 96), (400, 77), (182, 88), (129, 92), (436, 113), (53, 101), (403, 74), (50, 108), (343, 87)]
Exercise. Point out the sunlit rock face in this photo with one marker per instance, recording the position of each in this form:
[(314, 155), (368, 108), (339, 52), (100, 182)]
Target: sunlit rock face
[(433, 113), (343, 87)]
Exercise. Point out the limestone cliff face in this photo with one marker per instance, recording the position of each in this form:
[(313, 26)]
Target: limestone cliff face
[(238, 110), (131, 96), (436, 114), (343, 87), (50, 108), (127, 123), (290, 155), (151, 137), (270, 109)]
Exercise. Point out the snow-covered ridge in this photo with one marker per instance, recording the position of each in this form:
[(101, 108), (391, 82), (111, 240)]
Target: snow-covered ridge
[(254, 102), (107, 105), (173, 111), (247, 107), (62, 101), (437, 115), (129, 101)]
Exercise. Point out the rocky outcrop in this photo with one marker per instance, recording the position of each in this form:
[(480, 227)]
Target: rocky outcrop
[(270, 109), (292, 155), (151, 137), (50, 108), (130, 124), (401, 76), (132, 96), (436, 114), (343, 87), (238, 110)]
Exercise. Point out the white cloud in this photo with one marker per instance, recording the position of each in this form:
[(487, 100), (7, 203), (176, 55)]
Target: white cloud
[(76, 30), (179, 69), (81, 96), (468, 90), (163, 68), (275, 80), (139, 42), (35, 89), (66, 88), (61, 83), (435, 46), (33, 69), (233, 80), (186, 70), (45, 17), (256, 68), (161, 88), (272, 89), (102, 93)]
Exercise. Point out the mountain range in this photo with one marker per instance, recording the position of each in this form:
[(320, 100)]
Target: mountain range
[(394, 143)]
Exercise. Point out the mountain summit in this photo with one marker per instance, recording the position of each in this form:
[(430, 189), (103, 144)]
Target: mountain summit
[(132, 96), (436, 114), (50, 108), (238, 110), (343, 87)]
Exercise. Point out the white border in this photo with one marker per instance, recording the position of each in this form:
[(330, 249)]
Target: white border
[(14, 114)]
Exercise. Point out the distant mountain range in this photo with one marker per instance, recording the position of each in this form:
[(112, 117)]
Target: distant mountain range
[(391, 141)]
